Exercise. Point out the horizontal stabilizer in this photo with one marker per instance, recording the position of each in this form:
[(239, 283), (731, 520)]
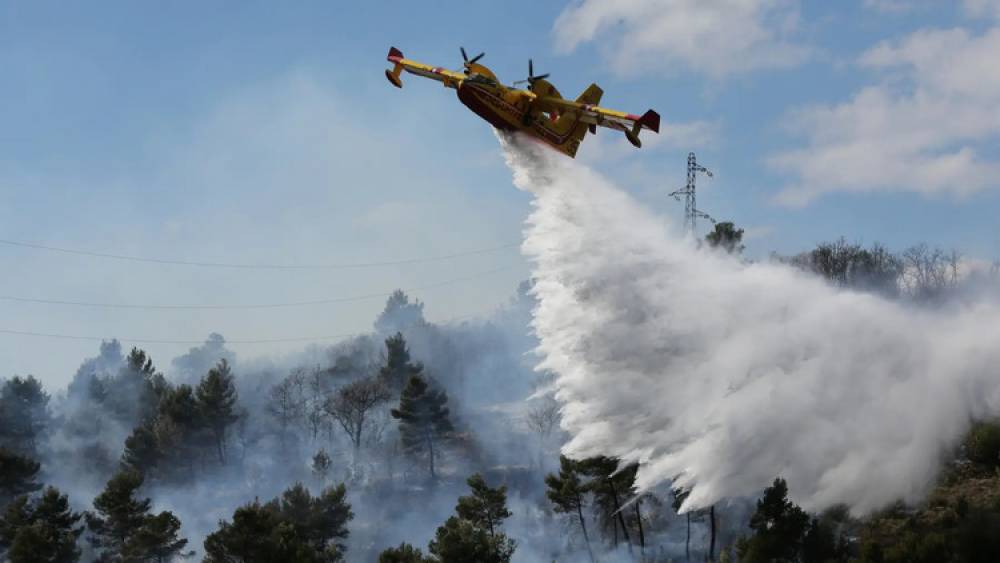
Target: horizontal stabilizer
[(650, 120)]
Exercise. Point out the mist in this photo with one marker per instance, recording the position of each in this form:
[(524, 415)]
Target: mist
[(718, 374)]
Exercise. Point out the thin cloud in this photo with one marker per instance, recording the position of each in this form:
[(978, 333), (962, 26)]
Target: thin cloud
[(982, 8), (715, 38), (925, 128)]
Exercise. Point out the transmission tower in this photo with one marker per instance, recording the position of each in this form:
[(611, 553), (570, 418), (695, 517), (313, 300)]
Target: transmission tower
[(691, 211)]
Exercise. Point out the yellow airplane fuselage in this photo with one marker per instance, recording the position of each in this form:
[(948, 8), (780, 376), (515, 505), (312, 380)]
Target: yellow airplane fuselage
[(509, 109), (539, 111)]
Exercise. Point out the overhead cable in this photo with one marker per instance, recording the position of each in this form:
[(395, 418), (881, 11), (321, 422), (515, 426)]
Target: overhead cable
[(307, 303), (258, 266), (202, 341)]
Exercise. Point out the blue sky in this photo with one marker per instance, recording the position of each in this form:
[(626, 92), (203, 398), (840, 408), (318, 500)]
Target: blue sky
[(266, 132)]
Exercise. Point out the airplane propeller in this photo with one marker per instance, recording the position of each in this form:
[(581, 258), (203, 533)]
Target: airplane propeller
[(531, 75), (466, 58)]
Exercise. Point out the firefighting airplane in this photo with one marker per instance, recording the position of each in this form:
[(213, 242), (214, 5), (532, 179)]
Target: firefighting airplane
[(539, 111)]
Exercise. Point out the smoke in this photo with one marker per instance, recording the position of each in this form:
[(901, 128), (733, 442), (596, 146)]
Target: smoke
[(720, 375), (482, 362)]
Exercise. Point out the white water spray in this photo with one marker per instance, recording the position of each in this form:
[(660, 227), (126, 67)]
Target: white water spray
[(721, 375)]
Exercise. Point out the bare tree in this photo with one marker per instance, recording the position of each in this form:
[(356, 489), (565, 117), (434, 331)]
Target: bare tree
[(314, 415), (285, 405), (352, 405), (246, 436), (542, 419), (929, 272), (850, 265)]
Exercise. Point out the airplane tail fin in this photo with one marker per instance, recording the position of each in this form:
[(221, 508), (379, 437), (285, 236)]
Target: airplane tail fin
[(394, 56), (649, 120)]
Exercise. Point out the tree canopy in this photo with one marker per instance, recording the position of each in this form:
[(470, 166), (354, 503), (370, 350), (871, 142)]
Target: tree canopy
[(294, 527), (423, 420), (40, 529)]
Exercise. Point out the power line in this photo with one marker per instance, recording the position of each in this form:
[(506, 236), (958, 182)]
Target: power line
[(161, 341), (263, 266), (202, 341), (314, 302)]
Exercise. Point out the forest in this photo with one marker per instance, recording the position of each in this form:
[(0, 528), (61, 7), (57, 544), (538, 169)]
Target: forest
[(423, 442)]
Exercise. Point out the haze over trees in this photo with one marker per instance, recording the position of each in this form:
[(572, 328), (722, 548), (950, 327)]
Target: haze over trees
[(18, 475), (353, 407), (473, 534), (419, 443)]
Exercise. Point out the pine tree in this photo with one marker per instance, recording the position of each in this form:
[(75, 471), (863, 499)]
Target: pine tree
[(474, 534), (42, 529), (180, 430), (251, 537), (158, 539), (133, 395), (568, 495), (486, 507), (294, 527), (779, 527), (398, 369), (24, 413), (321, 520), (610, 487), (142, 452), (217, 398), (461, 541), (405, 553), (17, 475), (423, 420), (120, 517)]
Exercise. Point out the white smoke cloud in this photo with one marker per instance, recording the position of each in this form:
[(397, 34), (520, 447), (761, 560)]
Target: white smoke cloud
[(722, 375)]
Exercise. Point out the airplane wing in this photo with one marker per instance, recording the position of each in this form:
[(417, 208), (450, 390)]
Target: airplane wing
[(596, 116), (449, 78)]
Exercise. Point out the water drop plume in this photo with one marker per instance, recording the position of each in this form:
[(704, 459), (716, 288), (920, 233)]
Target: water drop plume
[(720, 375)]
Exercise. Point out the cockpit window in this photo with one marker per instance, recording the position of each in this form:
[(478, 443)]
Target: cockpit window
[(481, 79)]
